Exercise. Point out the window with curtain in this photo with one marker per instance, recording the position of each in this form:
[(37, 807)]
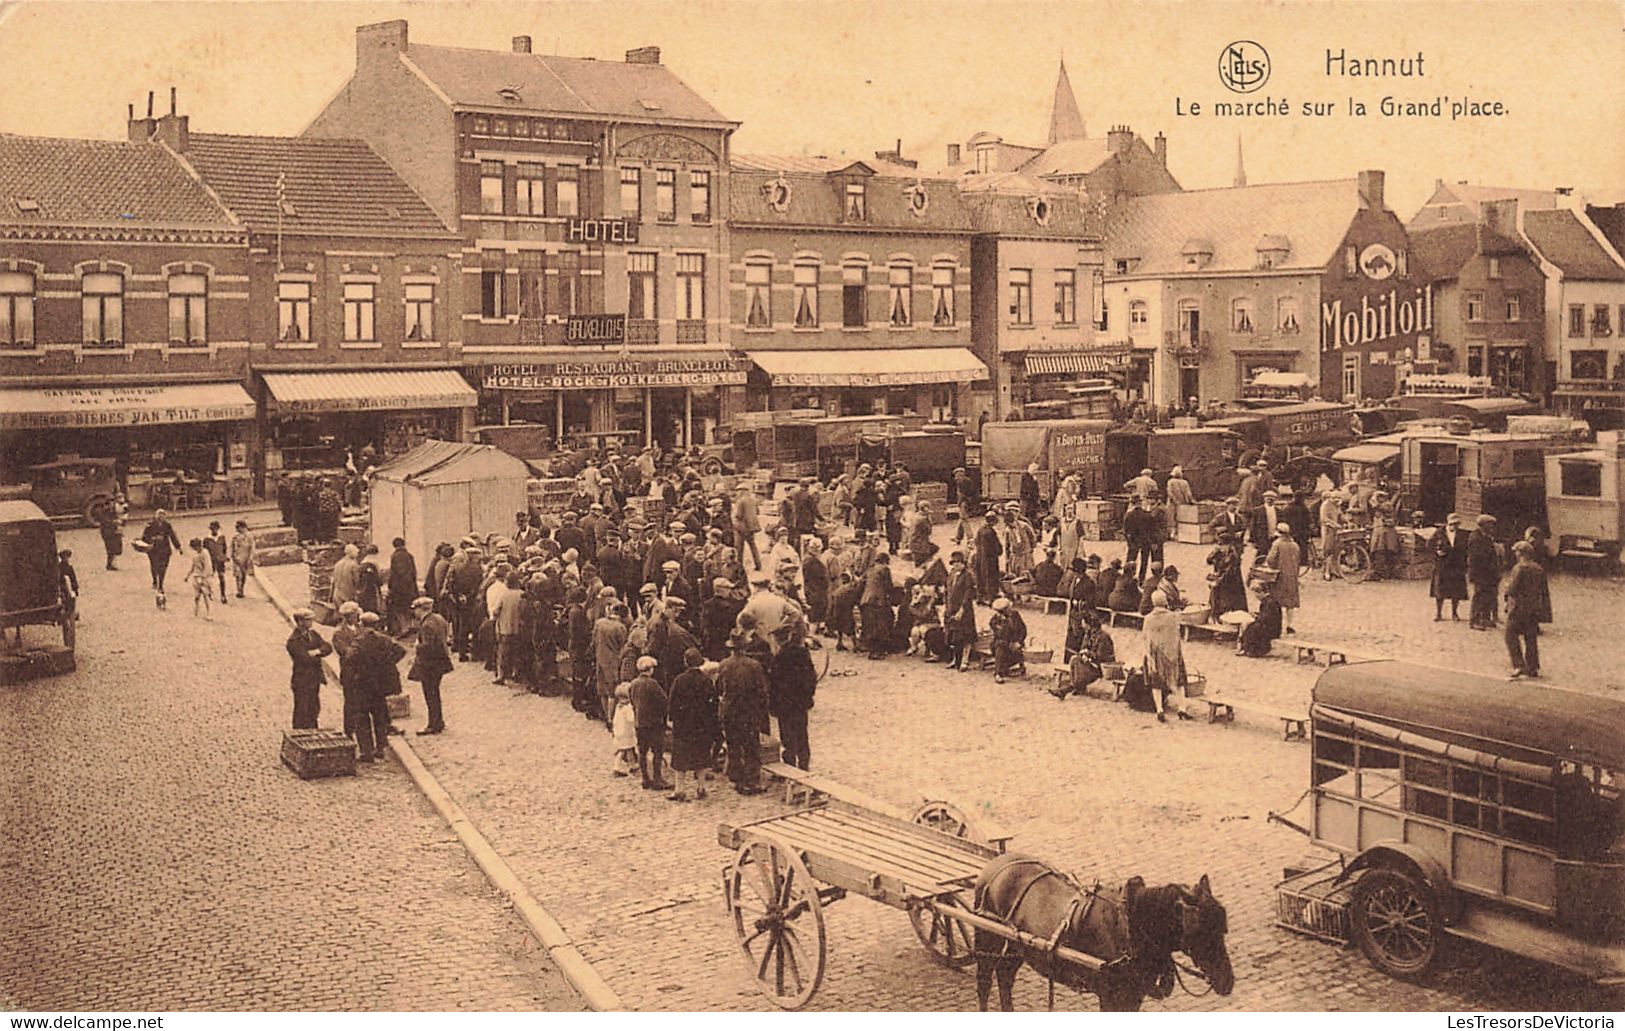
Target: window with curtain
[(942, 295), (758, 294), (16, 309), (900, 288), (641, 294), (102, 308), (806, 295), (188, 309)]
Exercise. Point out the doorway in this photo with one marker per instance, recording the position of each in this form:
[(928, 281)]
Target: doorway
[(1437, 489), (1190, 384)]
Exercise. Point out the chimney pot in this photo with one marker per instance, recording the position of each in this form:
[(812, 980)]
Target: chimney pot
[(521, 44), (149, 103), (643, 55), (172, 100), (953, 153), (131, 112)]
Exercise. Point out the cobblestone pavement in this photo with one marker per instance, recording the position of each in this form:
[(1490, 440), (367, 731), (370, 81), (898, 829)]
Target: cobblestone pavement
[(1090, 786), (156, 855)]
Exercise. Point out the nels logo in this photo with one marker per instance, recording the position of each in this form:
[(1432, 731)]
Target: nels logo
[(1244, 66)]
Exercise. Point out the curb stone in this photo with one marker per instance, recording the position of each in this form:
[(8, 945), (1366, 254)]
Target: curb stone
[(561, 948)]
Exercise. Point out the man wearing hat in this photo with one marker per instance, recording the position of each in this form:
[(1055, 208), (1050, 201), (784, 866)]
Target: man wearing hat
[(431, 659), (673, 584), (1261, 529), (613, 565), (1009, 632), (1248, 492), (662, 549), (959, 611), (1031, 498), (1285, 559), (463, 579), (570, 535), (1230, 523), (370, 677), (1483, 574), (1140, 527), (649, 710), (306, 648), (1528, 599), (1449, 547), (1179, 492), (609, 636), (746, 523), (345, 636), (742, 687), (1142, 485), (875, 605), (1295, 515)]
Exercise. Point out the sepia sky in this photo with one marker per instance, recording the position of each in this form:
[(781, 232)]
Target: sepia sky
[(849, 77)]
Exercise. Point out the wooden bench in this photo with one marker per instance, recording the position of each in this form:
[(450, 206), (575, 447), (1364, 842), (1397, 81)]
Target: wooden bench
[(1313, 651), (1063, 676), (1132, 620), (1293, 726), (1050, 605), (1208, 631)]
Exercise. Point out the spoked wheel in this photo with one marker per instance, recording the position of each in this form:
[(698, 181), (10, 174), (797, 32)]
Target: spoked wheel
[(948, 940), (1353, 562), (1395, 921), (945, 817), (779, 921)]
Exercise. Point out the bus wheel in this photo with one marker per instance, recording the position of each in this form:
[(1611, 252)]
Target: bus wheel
[(1394, 919)]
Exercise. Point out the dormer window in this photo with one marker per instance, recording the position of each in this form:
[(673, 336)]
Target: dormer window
[(857, 204), (510, 94), (1197, 253), (1273, 250)]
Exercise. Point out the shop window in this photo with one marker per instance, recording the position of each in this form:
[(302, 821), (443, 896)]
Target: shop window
[(293, 311), (1288, 315), (491, 187), (1600, 326), (758, 295), (1066, 296), (102, 308), (699, 196), (855, 296), (1588, 364), (1577, 320), (691, 286), (942, 295), (632, 193), (530, 190), (188, 310), (1475, 306), (857, 203), (1580, 479), (666, 194), (567, 192), (16, 309), (1241, 315), (419, 310), (641, 295), (806, 295), (1021, 296), (900, 290), (1514, 308), (360, 312)]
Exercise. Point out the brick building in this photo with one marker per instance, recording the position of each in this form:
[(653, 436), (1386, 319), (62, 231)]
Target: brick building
[(579, 188), (1212, 287), (1035, 274), (123, 318), (1488, 299), (1585, 313), (354, 298), (849, 287)]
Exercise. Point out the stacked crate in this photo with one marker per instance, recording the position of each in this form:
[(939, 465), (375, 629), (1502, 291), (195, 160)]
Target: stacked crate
[(935, 495), (550, 495), (1415, 554), (1101, 519), (1193, 524), (650, 510), (319, 562)]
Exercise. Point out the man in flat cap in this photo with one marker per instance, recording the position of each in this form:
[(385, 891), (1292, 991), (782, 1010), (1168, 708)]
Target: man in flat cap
[(306, 648)]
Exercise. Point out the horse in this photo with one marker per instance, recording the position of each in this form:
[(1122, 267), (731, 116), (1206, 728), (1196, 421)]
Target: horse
[(1135, 930)]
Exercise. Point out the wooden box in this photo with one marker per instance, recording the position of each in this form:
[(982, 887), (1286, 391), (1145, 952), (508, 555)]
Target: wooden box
[(318, 753), (1098, 510), (33, 663), (400, 706), (1193, 533), (1203, 512)]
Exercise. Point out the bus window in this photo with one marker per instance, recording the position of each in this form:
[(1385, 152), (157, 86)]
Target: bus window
[(1379, 775)]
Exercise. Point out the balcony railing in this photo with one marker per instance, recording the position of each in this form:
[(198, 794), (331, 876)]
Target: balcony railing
[(691, 331), (1184, 343), (642, 331)]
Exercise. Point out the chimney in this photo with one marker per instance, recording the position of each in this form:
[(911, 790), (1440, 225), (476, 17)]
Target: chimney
[(521, 44), (643, 55), (953, 154), (1563, 191), (1370, 190), (1119, 138), (141, 129), (379, 40), (895, 156), (1500, 215), (173, 129), (1160, 147)]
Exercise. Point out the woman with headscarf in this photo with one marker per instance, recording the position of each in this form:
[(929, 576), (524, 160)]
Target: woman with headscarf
[(918, 530), (985, 566)]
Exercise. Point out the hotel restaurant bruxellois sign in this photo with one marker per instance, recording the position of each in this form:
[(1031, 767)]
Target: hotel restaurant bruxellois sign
[(696, 371)]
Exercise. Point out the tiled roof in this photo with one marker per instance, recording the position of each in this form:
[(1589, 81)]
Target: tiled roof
[(1002, 203), (1313, 216), (1012, 182), (1611, 220), (818, 165), (1562, 240), (817, 199), (1440, 252), (337, 187), (100, 182), (562, 85), (1070, 157), (1528, 200)]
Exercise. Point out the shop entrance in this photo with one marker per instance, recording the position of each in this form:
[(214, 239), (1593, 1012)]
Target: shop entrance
[(543, 409)]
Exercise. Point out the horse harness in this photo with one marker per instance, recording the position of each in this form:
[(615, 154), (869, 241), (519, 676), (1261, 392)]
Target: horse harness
[(1082, 903)]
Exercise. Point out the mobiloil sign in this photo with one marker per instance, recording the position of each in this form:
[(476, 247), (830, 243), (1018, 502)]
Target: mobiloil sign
[(1378, 317)]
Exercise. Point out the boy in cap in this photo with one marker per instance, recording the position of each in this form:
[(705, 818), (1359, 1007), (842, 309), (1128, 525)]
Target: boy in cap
[(215, 545), (649, 708), (242, 554)]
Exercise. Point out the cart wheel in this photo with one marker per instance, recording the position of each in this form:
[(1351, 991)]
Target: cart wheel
[(779, 921), (711, 467), (1353, 562), (1395, 921), (948, 940), (947, 818)]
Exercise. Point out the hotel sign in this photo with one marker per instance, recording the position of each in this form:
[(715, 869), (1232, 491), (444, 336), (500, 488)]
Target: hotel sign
[(697, 371), (595, 329), (600, 230)]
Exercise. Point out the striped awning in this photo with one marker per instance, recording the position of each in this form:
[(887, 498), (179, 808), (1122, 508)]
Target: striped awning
[(369, 391), (1057, 363), (870, 368)]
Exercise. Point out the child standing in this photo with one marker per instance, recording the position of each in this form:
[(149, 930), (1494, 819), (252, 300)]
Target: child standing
[(625, 724), (198, 575), (649, 704), (215, 545)]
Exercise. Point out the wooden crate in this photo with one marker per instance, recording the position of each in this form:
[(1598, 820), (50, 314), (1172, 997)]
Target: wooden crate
[(1202, 512), (1194, 533), (318, 753), (1099, 510)]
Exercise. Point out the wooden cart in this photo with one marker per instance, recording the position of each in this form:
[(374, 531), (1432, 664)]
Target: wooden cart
[(788, 868)]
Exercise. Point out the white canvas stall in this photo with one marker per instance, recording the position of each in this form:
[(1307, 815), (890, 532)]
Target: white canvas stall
[(440, 491)]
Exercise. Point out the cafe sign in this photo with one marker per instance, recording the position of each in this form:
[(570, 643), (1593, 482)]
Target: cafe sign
[(595, 329), (696, 371), (600, 230), (91, 407)]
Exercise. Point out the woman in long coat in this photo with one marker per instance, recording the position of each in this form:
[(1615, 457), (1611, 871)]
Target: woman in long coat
[(959, 612), (1164, 661), (1228, 593), (985, 569), (918, 529), (1449, 569), (815, 582)]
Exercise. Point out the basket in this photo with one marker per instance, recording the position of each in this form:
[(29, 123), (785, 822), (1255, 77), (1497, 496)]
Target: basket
[(318, 753), (1195, 684), (1314, 904)]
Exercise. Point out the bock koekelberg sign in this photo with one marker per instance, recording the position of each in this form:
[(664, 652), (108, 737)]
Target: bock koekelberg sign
[(594, 329), (601, 230), (621, 372)]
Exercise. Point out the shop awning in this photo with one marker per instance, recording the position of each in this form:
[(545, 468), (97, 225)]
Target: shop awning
[(36, 408), (870, 368), (1367, 454), (1073, 363), (369, 391)]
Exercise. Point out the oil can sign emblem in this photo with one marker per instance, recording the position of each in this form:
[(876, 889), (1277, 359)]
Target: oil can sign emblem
[(1377, 261)]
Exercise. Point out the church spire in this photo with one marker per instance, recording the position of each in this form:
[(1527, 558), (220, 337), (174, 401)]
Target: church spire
[(1065, 120), (1241, 169)]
